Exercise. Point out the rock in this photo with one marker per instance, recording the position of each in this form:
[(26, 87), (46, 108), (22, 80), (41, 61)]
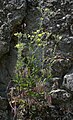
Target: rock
[(3, 109), (4, 48), (60, 66), (60, 95), (66, 45), (35, 17), (12, 13), (56, 83), (68, 80)]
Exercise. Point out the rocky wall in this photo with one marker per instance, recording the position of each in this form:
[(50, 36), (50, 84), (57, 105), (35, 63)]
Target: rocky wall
[(59, 22), (15, 16), (16, 13), (12, 13)]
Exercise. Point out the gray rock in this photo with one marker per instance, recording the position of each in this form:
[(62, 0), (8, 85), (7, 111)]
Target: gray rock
[(60, 67), (68, 80), (60, 96), (12, 13), (62, 93), (3, 109), (4, 48), (66, 44)]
